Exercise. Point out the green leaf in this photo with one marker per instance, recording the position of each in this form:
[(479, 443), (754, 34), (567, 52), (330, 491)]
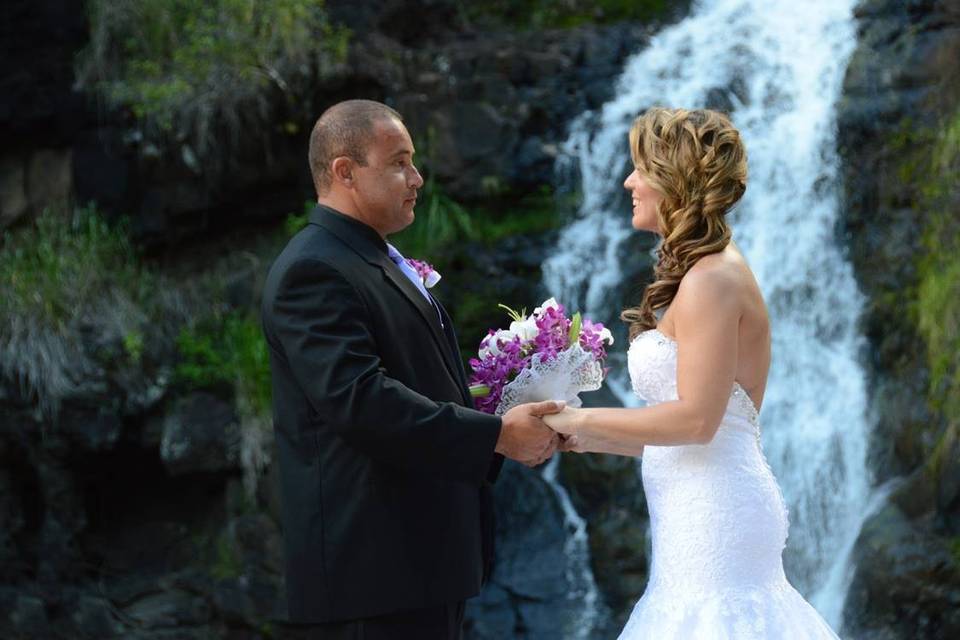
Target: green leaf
[(514, 315), (575, 324), (479, 391)]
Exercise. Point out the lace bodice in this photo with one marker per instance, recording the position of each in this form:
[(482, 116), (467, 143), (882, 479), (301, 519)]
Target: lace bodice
[(653, 371), (718, 524)]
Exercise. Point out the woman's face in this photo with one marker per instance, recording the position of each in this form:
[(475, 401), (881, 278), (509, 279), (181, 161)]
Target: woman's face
[(646, 199)]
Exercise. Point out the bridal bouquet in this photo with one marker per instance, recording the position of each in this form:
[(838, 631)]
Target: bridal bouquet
[(544, 356)]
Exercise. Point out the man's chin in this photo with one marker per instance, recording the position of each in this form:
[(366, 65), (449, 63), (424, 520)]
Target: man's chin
[(403, 223)]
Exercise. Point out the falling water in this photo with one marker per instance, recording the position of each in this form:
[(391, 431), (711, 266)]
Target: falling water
[(583, 614), (777, 67)]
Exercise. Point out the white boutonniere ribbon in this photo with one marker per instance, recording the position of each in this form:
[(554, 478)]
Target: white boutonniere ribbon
[(428, 275)]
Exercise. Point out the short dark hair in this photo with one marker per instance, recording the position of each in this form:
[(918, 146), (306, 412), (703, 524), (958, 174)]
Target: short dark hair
[(345, 129)]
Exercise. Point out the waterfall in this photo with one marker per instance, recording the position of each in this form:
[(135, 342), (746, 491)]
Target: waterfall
[(583, 613), (777, 67)]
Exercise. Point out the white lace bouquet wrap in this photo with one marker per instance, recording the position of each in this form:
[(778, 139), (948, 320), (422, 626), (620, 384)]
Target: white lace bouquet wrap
[(562, 378), (544, 356)]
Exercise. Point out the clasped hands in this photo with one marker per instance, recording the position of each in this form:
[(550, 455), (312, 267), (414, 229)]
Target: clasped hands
[(533, 432)]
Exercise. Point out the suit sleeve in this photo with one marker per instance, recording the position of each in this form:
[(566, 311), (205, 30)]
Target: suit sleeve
[(322, 326)]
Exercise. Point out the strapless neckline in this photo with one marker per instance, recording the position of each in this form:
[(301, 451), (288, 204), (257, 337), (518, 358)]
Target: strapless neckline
[(741, 395)]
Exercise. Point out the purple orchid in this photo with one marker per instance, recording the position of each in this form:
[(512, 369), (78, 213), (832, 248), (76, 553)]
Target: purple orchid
[(547, 333)]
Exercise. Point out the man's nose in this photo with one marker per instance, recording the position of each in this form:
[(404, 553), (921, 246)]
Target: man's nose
[(417, 178)]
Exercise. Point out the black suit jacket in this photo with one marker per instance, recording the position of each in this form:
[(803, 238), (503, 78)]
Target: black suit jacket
[(384, 464)]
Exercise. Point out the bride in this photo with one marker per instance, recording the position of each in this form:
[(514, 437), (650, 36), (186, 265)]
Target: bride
[(699, 355)]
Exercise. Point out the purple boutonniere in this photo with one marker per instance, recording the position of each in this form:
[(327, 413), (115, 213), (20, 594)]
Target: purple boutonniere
[(428, 275)]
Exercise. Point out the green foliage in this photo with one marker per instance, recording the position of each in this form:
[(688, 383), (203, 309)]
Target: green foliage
[(133, 345), (188, 66), (67, 276), (531, 214), (539, 14), (297, 221), (937, 307), (227, 349), (440, 221), (58, 266), (955, 549)]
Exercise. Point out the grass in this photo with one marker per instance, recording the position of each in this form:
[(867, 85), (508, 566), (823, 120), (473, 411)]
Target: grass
[(67, 277), (200, 71)]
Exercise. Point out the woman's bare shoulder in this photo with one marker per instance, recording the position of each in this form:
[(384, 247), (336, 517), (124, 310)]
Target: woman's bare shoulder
[(719, 273)]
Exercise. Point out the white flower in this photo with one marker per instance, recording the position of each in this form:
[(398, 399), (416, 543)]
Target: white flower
[(550, 303), (606, 336), (526, 329), (432, 279), (490, 345)]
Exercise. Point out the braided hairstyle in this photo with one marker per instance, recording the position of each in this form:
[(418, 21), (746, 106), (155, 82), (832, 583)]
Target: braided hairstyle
[(696, 160)]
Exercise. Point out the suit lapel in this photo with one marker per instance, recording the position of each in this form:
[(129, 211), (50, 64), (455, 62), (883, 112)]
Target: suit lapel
[(372, 248), (451, 336), (427, 312)]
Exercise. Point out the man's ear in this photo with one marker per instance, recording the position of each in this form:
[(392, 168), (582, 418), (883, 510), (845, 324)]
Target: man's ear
[(342, 170)]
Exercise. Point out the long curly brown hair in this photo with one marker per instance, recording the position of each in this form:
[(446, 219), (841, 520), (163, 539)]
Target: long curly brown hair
[(696, 160)]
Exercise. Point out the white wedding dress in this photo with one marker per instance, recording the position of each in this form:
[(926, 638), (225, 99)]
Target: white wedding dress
[(718, 523)]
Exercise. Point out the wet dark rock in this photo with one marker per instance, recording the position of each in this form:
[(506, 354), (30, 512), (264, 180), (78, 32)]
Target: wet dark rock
[(93, 427), (491, 615), (38, 40), (607, 492), (94, 617), (907, 582), (529, 586), (27, 617), (947, 481), (530, 562), (171, 608), (200, 433)]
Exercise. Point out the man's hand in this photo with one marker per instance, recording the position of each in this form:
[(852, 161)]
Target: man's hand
[(524, 437), (569, 424)]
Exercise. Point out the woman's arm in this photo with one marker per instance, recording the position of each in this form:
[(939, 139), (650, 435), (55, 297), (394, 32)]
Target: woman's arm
[(706, 316)]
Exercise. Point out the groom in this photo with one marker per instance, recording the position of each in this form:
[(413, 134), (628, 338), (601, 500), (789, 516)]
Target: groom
[(385, 468)]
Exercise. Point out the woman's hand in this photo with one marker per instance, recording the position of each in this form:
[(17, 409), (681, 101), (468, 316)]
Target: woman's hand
[(568, 423)]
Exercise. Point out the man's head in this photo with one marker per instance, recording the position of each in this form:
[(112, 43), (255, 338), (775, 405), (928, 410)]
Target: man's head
[(361, 158)]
